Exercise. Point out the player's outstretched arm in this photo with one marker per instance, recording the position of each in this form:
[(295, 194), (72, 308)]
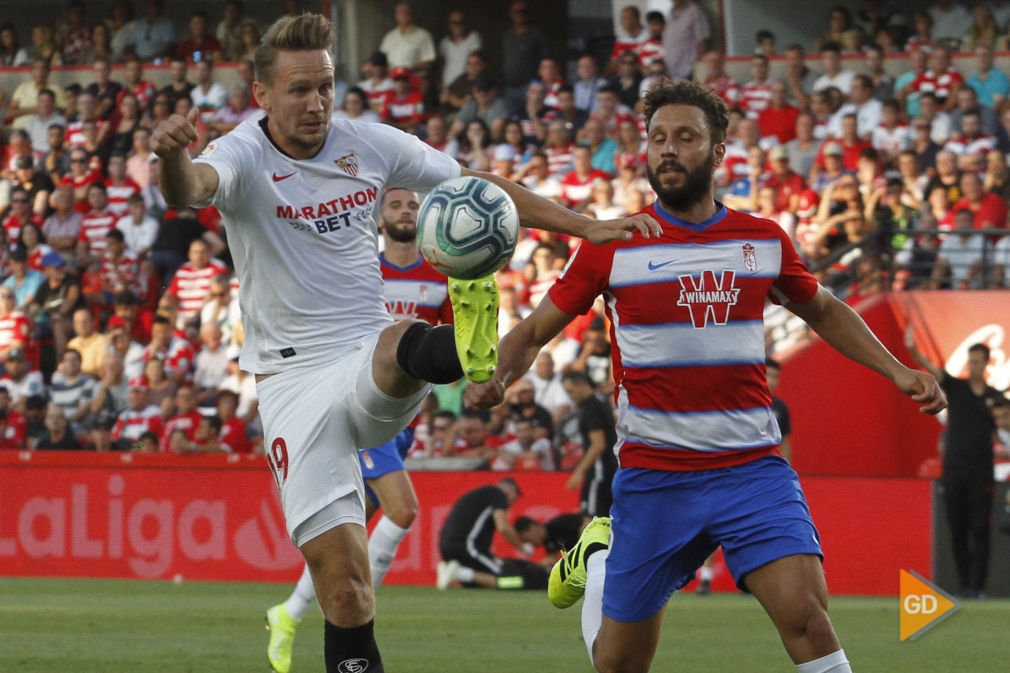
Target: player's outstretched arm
[(540, 213), (842, 327), (182, 182), (516, 352), (923, 361)]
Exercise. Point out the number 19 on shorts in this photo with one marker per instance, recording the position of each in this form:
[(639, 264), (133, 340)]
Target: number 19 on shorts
[(277, 459)]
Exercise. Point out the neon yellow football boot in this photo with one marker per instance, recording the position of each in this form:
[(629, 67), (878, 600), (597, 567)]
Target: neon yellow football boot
[(567, 582), (475, 316), (282, 628)]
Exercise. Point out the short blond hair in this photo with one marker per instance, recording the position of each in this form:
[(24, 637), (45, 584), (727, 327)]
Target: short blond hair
[(305, 32)]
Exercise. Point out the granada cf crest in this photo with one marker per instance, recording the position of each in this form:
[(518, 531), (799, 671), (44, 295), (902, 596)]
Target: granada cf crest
[(348, 164), (749, 258)]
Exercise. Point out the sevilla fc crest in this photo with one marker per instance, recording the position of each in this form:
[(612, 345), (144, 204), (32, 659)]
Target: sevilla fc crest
[(749, 258), (348, 164)]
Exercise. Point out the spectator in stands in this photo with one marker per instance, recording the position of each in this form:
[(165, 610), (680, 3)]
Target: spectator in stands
[(476, 441), (104, 89), (127, 350), (161, 389), (118, 187), (57, 435), (120, 24), (233, 430), (119, 271), (34, 245), (983, 31), (886, 210), (404, 108), (719, 81), (799, 77), (55, 301), (9, 45), (74, 37), (486, 107), (587, 83), (228, 31), (63, 227), (100, 439), (997, 175), (988, 210), (880, 80), (94, 225), (474, 144), (946, 176), (71, 390), (961, 256), (24, 102), (44, 47), (211, 366), (20, 213), (839, 21), (199, 45), (186, 418), (249, 39), (178, 86), (526, 451), (138, 163), (576, 187), (922, 33), (834, 75), (408, 46), (153, 36), (990, 84), (376, 82), (779, 117), (55, 160), (627, 79), (755, 94), (457, 46), (536, 177), (46, 115), (457, 92), (867, 109), (941, 79), (967, 102), (951, 20), (891, 136), (685, 38), (92, 345), (237, 110), (356, 108), (80, 177), (631, 34), (23, 281), (23, 383), (138, 228), (139, 417), (208, 96), (523, 47), (523, 405), (100, 46), (190, 286), (603, 149), (802, 149)]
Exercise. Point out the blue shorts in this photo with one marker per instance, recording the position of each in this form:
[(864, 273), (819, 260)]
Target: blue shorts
[(756, 511), (384, 459)]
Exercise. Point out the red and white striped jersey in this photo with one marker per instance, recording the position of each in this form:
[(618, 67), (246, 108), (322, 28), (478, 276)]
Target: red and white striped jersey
[(131, 424), (963, 145), (178, 357), (12, 226), (15, 329), (687, 330), (941, 84), (632, 43), (192, 286), (650, 52), (559, 160), (417, 292), (575, 189), (726, 88), (118, 194), (94, 226), (125, 280), (755, 97)]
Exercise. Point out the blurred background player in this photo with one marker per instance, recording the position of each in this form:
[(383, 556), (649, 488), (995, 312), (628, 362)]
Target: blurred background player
[(414, 290), (595, 420)]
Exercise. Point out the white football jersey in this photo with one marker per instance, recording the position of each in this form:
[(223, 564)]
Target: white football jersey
[(303, 234)]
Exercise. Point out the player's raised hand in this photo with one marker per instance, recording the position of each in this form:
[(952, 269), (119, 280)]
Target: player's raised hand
[(922, 388), (174, 134), (623, 229), (484, 395)]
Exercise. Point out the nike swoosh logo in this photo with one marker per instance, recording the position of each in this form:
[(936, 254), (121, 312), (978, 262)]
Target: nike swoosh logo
[(653, 267), (278, 178)]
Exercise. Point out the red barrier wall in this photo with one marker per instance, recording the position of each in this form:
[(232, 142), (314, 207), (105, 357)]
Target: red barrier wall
[(217, 518)]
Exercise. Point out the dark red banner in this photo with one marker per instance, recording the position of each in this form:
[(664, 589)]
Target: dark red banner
[(218, 518)]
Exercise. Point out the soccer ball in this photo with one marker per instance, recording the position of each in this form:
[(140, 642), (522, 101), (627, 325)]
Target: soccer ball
[(467, 227)]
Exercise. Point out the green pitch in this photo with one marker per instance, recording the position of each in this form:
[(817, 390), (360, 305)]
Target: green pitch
[(109, 626)]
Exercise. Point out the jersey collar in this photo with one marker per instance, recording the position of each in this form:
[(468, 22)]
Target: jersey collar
[(670, 218)]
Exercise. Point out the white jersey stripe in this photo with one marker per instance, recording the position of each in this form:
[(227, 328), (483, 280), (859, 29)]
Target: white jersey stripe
[(408, 290), (683, 345), (700, 431), (665, 263)]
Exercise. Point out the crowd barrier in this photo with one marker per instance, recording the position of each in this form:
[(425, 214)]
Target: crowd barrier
[(218, 518)]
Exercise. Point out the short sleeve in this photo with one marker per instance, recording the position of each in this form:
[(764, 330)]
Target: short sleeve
[(415, 164), (795, 284), (235, 163), (583, 278)]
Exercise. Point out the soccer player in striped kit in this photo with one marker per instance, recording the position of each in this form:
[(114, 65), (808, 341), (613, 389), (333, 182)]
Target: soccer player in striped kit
[(697, 441)]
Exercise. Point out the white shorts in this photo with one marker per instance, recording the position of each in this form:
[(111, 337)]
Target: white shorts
[(314, 421)]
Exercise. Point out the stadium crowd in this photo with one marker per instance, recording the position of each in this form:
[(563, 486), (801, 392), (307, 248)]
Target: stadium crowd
[(119, 317)]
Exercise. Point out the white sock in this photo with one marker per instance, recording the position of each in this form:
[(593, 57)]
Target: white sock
[(382, 544), (832, 663), (464, 574), (706, 574), (592, 602), (302, 597)]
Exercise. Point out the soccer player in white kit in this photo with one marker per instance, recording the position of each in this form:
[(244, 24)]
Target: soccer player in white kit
[(334, 373)]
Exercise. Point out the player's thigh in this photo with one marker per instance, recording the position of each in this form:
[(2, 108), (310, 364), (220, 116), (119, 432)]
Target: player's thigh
[(628, 647), (377, 416), (309, 440), (657, 540)]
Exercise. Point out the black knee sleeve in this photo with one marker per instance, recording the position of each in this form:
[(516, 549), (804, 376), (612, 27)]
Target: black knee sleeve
[(429, 353)]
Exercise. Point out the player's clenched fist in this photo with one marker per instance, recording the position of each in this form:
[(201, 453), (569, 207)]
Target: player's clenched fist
[(483, 395), (174, 134)]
